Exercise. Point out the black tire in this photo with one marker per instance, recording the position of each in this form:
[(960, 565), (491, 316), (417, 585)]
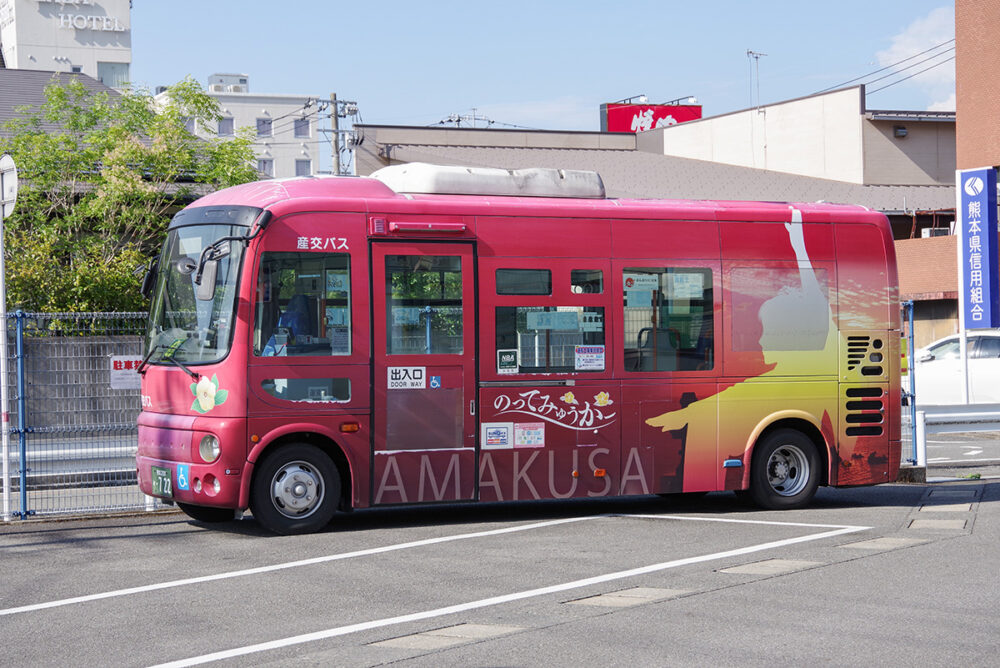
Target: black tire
[(206, 514), (296, 489), (785, 470)]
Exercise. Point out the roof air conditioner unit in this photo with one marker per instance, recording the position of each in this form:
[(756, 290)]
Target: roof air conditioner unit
[(237, 88), (217, 88)]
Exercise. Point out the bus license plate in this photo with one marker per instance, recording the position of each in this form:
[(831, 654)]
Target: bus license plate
[(162, 482)]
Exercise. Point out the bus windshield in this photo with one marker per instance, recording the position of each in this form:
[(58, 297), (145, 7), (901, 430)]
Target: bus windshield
[(189, 323)]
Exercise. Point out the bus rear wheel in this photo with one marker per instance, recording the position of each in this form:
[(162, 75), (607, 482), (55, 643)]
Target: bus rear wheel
[(785, 470), (295, 490), (206, 514)]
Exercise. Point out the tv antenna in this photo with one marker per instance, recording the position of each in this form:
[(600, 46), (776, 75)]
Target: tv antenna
[(753, 59)]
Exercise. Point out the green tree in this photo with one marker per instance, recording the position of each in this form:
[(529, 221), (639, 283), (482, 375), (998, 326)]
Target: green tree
[(101, 176)]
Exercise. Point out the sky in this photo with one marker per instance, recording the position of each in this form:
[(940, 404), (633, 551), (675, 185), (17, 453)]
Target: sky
[(550, 64)]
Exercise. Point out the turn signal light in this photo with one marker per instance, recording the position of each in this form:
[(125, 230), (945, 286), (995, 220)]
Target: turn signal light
[(349, 427), (600, 473)]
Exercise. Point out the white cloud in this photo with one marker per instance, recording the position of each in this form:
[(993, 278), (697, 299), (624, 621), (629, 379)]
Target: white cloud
[(937, 83), (943, 105)]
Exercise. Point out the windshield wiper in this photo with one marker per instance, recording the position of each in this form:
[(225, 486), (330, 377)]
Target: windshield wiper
[(141, 369), (168, 355)]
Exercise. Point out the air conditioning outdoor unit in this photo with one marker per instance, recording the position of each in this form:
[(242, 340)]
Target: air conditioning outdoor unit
[(217, 88), (237, 88), (929, 232)]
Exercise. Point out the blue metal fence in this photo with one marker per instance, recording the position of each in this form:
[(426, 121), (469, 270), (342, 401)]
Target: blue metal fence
[(73, 402)]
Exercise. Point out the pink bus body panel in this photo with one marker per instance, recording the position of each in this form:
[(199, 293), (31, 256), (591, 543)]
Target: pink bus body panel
[(788, 301)]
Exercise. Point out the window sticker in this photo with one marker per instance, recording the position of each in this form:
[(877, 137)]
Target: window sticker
[(589, 358), (507, 361)]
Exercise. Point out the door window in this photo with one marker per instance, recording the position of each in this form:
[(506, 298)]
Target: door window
[(423, 304)]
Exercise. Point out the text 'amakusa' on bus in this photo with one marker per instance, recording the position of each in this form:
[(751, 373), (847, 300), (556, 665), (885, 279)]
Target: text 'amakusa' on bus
[(442, 334)]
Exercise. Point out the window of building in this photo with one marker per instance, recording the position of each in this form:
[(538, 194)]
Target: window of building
[(669, 319), (188, 124), (76, 69), (303, 306), (113, 75), (263, 127), (265, 166), (226, 127), (303, 167), (301, 127)]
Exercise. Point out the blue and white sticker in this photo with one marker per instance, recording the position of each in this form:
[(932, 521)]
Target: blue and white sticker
[(497, 435), (183, 476)]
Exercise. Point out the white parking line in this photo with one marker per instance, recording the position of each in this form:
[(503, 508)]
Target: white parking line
[(287, 565), (517, 596)]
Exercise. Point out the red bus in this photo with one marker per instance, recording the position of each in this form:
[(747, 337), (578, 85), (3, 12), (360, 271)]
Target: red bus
[(443, 334)]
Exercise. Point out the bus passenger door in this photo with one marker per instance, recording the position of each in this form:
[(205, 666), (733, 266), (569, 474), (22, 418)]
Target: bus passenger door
[(423, 327)]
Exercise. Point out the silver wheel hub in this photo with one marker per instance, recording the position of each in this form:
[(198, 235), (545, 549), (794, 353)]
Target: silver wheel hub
[(297, 489), (788, 470)]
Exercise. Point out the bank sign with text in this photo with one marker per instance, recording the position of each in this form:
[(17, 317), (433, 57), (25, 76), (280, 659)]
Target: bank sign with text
[(977, 219)]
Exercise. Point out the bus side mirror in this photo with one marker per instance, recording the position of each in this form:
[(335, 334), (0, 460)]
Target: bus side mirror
[(205, 291), (149, 280)]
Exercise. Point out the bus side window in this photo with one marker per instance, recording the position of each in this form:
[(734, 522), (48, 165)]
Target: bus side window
[(669, 319), (303, 305)]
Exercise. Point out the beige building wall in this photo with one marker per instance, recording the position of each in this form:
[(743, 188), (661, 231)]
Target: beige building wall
[(925, 156), (282, 147), (818, 136)]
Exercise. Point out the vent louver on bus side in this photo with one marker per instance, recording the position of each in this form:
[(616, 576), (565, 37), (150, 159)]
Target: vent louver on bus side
[(863, 357), (864, 411)]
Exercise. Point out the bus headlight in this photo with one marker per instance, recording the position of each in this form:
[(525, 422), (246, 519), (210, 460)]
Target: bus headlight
[(209, 448)]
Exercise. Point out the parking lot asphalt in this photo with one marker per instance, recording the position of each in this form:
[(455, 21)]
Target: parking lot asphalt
[(875, 576)]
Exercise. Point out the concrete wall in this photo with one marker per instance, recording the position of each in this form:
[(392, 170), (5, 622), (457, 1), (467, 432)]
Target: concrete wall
[(817, 136), (925, 156)]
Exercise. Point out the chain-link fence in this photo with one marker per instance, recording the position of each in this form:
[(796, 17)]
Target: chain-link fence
[(74, 399)]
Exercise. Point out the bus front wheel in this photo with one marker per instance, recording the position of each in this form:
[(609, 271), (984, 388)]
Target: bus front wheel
[(295, 490), (785, 470)]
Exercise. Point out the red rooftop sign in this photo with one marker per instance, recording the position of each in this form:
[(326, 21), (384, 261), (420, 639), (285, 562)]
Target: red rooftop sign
[(619, 117)]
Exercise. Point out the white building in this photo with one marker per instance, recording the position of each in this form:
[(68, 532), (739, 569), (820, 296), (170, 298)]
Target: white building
[(826, 136), (286, 127), (93, 37)]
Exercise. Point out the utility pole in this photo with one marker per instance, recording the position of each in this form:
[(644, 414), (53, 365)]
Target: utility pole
[(335, 123)]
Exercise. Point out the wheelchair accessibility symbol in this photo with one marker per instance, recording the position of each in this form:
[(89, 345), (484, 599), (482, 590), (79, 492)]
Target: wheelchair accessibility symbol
[(435, 382), (183, 477)]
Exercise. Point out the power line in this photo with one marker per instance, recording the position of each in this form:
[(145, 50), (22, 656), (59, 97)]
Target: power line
[(911, 76), (900, 62), (919, 62)]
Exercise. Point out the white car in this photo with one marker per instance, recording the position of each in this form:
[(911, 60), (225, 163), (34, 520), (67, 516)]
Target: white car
[(938, 370)]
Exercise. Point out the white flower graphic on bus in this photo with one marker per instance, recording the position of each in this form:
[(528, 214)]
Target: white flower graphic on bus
[(207, 394)]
